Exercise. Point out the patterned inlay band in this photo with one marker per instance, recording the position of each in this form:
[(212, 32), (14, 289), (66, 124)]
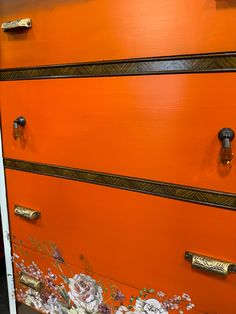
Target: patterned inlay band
[(198, 63), (162, 189)]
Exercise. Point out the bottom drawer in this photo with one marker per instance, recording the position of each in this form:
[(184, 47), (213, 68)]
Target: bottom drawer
[(49, 285), (137, 239)]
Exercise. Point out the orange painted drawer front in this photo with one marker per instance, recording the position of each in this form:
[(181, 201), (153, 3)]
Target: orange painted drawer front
[(73, 31), (129, 125), (98, 247), (135, 239)]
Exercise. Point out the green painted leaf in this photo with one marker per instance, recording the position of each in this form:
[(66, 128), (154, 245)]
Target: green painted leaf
[(65, 279), (151, 290), (63, 294)]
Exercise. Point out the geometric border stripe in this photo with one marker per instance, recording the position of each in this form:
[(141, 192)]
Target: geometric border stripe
[(157, 188), (197, 63)]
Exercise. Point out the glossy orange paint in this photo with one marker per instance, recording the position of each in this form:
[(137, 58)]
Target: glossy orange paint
[(154, 127), (72, 31), (132, 238)]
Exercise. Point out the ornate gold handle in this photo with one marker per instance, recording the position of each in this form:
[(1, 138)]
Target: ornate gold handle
[(17, 24), (27, 213), (210, 264), (31, 282)]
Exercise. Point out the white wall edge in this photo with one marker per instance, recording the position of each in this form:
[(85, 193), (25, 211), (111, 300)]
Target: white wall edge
[(6, 235)]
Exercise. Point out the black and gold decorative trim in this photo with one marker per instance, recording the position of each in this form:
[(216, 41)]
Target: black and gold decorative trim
[(162, 189), (198, 63)]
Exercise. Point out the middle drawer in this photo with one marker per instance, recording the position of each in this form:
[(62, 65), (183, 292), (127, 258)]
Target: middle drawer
[(154, 127)]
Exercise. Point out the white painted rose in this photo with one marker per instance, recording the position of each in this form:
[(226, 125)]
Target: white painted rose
[(139, 305), (150, 306), (153, 306), (85, 293)]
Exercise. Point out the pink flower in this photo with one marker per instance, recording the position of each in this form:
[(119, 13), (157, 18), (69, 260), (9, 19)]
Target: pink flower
[(118, 295), (56, 254), (104, 309)]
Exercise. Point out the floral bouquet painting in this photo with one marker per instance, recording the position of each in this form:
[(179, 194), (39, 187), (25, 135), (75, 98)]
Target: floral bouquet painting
[(82, 294)]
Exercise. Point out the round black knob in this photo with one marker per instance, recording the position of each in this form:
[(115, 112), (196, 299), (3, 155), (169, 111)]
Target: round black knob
[(226, 133), (21, 121)]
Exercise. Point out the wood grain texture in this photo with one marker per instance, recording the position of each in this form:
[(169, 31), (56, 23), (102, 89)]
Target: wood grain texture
[(202, 63), (163, 189)]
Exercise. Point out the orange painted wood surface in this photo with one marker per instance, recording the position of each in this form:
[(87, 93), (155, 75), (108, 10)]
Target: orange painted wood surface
[(132, 238), (154, 127), (72, 31)]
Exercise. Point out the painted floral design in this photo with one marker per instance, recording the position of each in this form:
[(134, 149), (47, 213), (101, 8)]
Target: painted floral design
[(85, 293), (82, 294), (150, 306)]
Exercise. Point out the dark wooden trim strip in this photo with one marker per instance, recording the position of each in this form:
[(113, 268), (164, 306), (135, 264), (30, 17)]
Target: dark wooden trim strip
[(163, 189), (200, 63)]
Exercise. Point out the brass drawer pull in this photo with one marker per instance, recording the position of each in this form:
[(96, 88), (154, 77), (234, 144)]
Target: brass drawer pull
[(210, 264), (31, 282), (17, 25), (27, 213)]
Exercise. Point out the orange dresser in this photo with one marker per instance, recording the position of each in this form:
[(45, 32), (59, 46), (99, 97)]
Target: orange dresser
[(118, 201)]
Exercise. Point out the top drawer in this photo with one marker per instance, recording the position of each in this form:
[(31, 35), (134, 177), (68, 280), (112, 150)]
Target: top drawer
[(73, 31), (155, 127)]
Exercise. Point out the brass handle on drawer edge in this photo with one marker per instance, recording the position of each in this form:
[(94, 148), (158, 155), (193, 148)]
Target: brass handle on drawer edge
[(31, 282), (210, 264), (26, 213), (19, 24)]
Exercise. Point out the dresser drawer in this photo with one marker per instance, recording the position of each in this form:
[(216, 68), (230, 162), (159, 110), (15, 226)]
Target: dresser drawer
[(64, 32), (126, 125), (136, 239)]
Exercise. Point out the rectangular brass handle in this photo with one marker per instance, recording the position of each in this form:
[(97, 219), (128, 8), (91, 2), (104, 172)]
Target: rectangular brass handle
[(27, 213), (31, 282), (17, 24), (210, 264)]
